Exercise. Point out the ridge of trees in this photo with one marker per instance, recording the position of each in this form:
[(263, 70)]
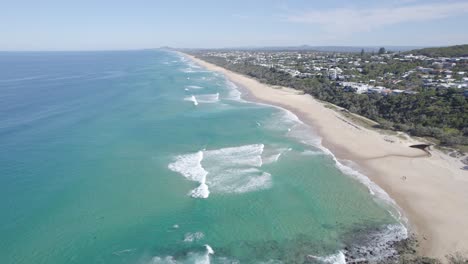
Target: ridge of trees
[(441, 114), (452, 51)]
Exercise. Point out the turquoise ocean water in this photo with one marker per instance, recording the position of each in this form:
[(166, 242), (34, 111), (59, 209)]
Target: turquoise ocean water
[(143, 157)]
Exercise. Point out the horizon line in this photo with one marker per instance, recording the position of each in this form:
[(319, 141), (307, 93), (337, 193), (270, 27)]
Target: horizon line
[(233, 48)]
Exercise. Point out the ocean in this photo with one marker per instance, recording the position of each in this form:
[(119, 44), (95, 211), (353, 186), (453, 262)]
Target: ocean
[(143, 157)]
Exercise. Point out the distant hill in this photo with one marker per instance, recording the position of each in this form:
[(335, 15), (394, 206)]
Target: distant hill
[(348, 49), (452, 51)]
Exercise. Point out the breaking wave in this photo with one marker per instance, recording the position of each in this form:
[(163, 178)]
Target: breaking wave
[(191, 258), (190, 167), (203, 98), (225, 170), (192, 99), (378, 245), (191, 237), (234, 93), (193, 68), (208, 98), (193, 87), (338, 258), (273, 155)]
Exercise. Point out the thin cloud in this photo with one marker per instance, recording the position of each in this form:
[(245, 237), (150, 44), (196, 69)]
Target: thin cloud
[(346, 21), (240, 16)]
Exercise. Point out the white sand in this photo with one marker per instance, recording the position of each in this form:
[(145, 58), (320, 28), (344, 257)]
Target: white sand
[(432, 191)]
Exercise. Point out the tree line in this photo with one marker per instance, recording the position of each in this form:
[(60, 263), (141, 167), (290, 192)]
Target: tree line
[(437, 113)]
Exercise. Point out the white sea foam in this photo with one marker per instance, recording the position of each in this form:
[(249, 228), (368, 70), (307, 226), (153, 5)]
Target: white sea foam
[(273, 155), (283, 120), (373, 188), (191, 237), (192, 99), (193, 87), (338, 258), (191, 258), (201, 191), (163, 260), (193, 68), (208, 98), (207, 79), (237, 169), (190, 167), (374, 247), (250, 182), (311, 153), (203, 98), (205, 259), (193, 65), (209, 250), (234, 93), (247, 155), (273, 158), (225, 170)]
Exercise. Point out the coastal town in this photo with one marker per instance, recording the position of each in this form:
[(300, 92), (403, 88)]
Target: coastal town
[(422, 92), (383, 72)]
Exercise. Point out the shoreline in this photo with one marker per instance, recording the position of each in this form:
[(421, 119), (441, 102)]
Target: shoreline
[(432, 191)]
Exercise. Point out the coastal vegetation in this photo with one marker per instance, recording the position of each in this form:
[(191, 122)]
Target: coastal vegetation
[(452, 51), (437, 113)]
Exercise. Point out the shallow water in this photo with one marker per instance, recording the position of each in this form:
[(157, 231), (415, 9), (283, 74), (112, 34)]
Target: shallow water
[(144, 157)]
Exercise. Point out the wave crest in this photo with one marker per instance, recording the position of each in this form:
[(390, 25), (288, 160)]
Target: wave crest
[(225, 170)]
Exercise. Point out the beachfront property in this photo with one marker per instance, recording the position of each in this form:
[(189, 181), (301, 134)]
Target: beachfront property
[(390, 73)]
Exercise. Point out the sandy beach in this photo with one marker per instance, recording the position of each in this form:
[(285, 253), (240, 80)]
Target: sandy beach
[(431, 190)]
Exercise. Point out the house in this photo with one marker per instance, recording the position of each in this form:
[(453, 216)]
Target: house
[(425, 70), (448, 65), (386, 92), (355, 87), (375, 90), (397, 91)]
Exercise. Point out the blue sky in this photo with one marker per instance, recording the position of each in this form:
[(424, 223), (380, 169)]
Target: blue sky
[(105, 24)]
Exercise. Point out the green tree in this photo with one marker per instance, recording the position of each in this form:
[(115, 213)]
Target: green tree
[(382, 50)]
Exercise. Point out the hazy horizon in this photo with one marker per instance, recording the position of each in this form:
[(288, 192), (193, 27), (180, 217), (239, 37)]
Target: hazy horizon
[(247, 47)]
